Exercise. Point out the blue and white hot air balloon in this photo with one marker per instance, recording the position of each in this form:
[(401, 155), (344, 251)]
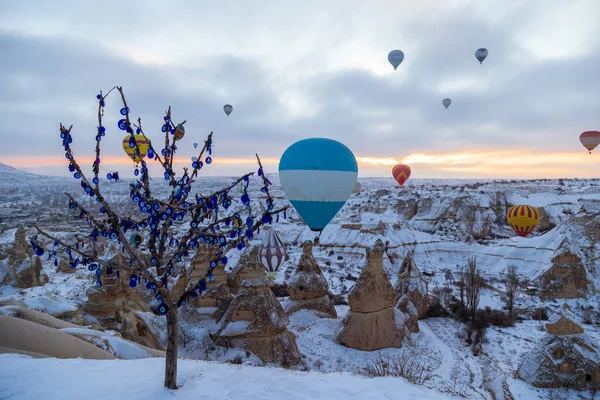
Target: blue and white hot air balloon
[(318, 175)]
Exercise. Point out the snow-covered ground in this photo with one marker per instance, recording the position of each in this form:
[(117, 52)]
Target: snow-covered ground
[(25, 378)]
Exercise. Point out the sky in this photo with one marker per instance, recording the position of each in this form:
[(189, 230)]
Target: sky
[(299, 69)]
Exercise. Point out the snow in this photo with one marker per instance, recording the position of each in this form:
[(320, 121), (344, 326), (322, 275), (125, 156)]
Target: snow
[(22, 377), (117, 346), (49, 306), (236, 328)]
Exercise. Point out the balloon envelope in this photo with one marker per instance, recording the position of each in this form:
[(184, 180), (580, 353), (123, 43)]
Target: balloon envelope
[(318, 176), (395, 57), (590, 139), (481, 54), (179, 132), (401, 173), (271, 253), (141, 142), (195, 145), (446, 102), (523, 219), (228, 108)]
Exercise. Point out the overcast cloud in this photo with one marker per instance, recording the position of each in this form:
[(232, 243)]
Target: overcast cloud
[(294, 70)]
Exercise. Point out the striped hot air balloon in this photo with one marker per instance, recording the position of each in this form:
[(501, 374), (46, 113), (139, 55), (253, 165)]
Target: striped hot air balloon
[(401, 172), (129, 145), (318, 176), (523, 219), (590, 140), (271, 253)]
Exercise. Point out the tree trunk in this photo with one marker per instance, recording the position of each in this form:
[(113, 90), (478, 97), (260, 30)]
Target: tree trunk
[(172, 347)]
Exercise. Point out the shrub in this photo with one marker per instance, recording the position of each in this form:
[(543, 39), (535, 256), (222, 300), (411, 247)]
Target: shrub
[(436, 310), (407, 365)]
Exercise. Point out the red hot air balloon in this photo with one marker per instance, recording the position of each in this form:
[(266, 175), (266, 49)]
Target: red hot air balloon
[(590, 139), (401, 172)]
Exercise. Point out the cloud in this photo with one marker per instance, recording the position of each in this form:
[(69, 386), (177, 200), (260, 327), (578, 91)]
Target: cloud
[(305, 70)]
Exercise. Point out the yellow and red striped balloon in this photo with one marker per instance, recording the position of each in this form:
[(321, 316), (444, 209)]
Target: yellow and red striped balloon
[(401, 172), (590, 140), (142, 144), (523, 219)]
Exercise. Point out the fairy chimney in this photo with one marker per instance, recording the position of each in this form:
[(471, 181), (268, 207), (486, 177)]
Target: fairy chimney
[(248, 268), (409, 312), (308, 287), (412, 283), (565, 357), (218, 296), (256, 321), (373, 322)]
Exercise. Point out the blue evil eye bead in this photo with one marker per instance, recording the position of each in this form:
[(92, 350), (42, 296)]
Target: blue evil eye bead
[(99, 97), (109, 176), (148, 285), (208, 160), (136, 172), (98, 283), (150, 153), (222, 239), (67, 156), (166, 118), (113, 235), (241, 245), (245, 199), (71, 168), (211, 278), (224, 260), (260, 172), (162, 309), (245, 178), (95, 180), (263, 190), (55, 262), (92, 267), (153, 286), (164, 128), (193, 293), (124, 110), (267, 219), (213, 264), (122, 124), (56, 243), (249, 233), (101, 130), (200, 164), (232, 234), (194, 164), (132, 281), (153, 260), (76, 175), (109, 270)]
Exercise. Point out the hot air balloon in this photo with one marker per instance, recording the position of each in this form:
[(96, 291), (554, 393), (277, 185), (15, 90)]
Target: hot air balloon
[(195, 145), (590, 139), (136, 240), (271, 253), (129, 145), (318, 176), (179, 132), (481, 54), (228, 108), (401, 173), (446, 102), (395, 57), (523, 219)]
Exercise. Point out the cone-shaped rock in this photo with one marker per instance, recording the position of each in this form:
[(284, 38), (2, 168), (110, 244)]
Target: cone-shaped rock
[(218, 296), (373, 321), (565, 357), (248, 268), (256, 321), (409, 312), (412, 283), (308, 287)]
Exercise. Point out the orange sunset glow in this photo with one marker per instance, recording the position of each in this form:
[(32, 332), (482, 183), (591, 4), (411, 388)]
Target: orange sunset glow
[(466, 164)]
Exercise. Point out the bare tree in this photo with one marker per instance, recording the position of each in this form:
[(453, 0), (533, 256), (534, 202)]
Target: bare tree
[(472, 281), (175, 225), (512, 287)]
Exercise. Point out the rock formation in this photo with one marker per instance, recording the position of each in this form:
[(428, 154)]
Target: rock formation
[(248, 268), (217, 297), (409, 312), (373, 322), (255, 320), (566, 279), (565, 357), (18, 266), (308, 288), (412, 282), (115, 305)]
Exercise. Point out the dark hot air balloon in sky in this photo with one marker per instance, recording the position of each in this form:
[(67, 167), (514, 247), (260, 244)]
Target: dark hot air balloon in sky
[(395, 57), (446, 102), (228, 108), (590, 139), (481, 54)]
